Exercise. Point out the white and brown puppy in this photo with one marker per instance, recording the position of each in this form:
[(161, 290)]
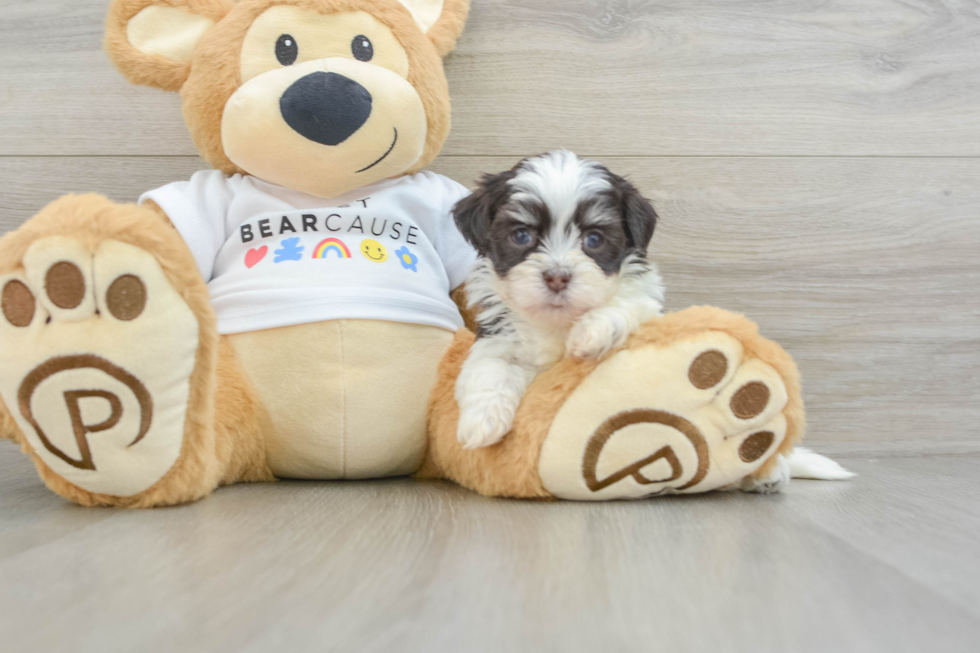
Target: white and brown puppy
[(562, 270)]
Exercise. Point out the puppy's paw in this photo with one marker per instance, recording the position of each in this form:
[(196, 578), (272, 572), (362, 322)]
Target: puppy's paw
[(488, 392), (772, 482), (594, 335), (485, 423)]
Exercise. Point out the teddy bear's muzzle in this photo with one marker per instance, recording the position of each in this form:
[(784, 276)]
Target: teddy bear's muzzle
[(326, 108)]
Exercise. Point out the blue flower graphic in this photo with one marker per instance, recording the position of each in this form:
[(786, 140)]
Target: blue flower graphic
[(408, 260)]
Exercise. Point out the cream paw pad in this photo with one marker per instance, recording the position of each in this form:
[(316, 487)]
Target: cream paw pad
[(691, 417), (97, 350)]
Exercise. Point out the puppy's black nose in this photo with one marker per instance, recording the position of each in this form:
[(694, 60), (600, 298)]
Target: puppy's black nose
[(326, 108), (557, 281)]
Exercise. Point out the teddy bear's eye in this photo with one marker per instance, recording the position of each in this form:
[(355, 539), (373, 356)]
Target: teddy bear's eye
[(362, 48), (287, 50)]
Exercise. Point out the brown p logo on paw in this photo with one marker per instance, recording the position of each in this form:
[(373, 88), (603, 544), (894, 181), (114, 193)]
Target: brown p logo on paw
[(605, 432), (72, 400), (691, 416)]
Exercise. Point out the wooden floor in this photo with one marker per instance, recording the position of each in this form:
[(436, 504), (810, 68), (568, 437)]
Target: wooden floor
[(816, 166), (888, 563)]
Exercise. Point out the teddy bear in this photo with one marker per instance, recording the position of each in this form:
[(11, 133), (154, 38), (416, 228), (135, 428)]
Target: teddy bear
[(294, 312)]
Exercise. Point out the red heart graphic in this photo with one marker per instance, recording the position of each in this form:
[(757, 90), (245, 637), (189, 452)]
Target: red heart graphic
[(255, 256)]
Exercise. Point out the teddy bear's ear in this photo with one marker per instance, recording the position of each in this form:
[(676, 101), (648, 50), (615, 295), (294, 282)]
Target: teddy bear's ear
[(152, 41), (441, 20)]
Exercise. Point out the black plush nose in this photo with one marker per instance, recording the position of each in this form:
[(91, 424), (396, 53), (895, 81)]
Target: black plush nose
[(326, 108)]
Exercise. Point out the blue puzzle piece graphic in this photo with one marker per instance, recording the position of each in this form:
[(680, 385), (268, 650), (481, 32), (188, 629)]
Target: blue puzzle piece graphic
[(291, 251)]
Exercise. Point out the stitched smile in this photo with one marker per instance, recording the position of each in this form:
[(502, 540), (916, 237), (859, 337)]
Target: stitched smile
[(393, 143), (368, 254)]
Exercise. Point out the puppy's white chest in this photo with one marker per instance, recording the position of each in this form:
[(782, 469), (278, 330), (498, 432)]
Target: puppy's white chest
[(543, 350)]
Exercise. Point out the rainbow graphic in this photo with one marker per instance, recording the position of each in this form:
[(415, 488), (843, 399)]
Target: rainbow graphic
[(331, 245)]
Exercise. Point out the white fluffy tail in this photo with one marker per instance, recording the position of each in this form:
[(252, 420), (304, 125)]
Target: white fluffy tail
[(803, 463)]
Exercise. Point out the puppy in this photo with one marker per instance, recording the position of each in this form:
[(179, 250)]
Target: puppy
[(562, 270)]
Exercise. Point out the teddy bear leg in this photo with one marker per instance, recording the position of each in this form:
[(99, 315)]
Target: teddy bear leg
[(696, 401), (507, 469), (112, 373)]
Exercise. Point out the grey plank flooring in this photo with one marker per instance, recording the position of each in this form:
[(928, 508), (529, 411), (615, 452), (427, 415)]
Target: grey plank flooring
[(884, 563)]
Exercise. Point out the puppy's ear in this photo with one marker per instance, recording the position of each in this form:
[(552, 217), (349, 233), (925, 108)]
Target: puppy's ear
[(152, 41), (639, 216), (475, 214)]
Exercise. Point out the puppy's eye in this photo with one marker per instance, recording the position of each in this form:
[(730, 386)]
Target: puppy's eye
[(286, 50), (594, 240), (362, 48), (522, 237)]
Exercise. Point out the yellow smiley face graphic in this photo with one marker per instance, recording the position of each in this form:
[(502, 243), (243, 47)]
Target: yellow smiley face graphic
[(374, 251)]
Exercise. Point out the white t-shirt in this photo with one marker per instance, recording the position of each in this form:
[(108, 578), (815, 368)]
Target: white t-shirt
[(276, 257)]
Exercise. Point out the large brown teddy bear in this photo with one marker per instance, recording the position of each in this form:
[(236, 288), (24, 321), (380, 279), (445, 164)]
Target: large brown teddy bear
[(285, 315)]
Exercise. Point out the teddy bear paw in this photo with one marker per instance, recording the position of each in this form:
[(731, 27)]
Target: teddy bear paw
[(691, 416), (96, 354)]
